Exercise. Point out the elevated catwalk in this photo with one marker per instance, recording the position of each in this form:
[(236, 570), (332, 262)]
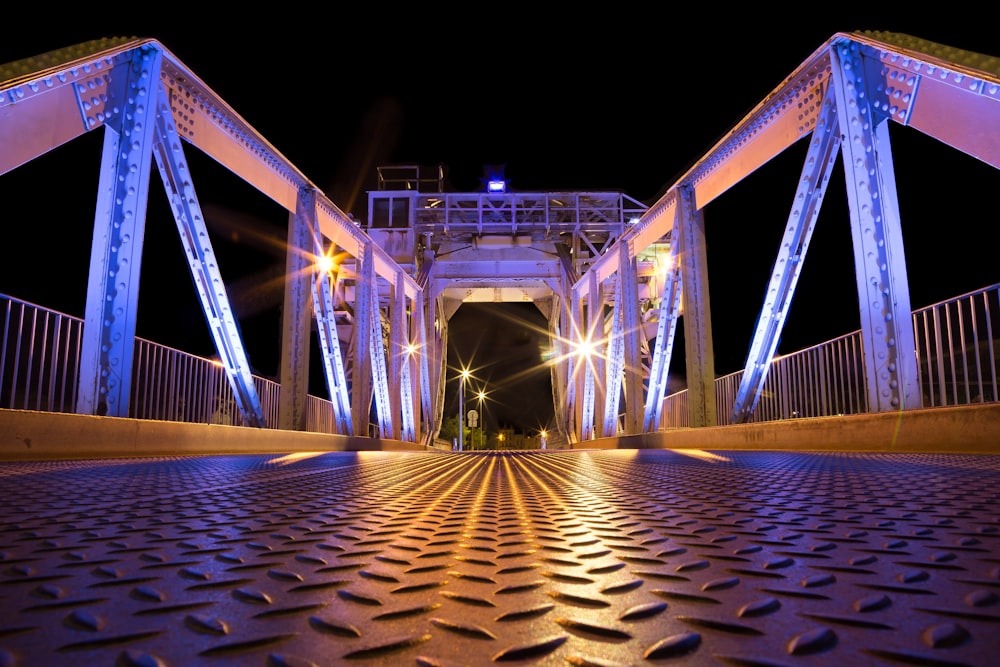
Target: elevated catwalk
[(614, 557)]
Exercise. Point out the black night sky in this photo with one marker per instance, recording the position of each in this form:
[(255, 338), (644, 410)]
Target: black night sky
[(624, 99)]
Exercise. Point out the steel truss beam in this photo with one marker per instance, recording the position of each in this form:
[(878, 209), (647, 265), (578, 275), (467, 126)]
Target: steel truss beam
[(823, 145), (300, 258), (208, 281), (875, 78), (132, 89), (324, 311), (848, 89), (666, 327), (879, 262)]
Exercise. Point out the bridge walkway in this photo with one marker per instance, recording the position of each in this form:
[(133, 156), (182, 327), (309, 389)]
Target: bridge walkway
[(581, 557)]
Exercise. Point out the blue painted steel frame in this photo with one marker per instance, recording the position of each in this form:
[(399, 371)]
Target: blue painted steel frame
[(845, 94)]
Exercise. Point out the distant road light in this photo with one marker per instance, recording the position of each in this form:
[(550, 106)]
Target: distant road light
[(586, 348), (324, 264)]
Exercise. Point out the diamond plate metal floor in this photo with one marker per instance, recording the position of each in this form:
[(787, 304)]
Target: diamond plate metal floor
[(620, 557)]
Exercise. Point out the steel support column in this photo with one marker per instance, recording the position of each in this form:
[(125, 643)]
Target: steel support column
[(376, 345), (119, 228), (879, 260), (615, 355), (666, 328), (699, 352), (436, 326), (420, 372), (593, 392), (296, 313), (329, 337), (401, 392), (631, 317), (558, 364), (361, 373), (820, 159), (580, 345)]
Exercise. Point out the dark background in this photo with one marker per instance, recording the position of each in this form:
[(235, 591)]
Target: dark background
[(624, 99)]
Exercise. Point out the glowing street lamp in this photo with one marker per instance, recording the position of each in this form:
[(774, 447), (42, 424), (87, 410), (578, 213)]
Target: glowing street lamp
[(480, 397), (461, 408), (325, 264)]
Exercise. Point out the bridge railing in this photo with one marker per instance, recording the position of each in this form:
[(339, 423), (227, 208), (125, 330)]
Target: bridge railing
[(39, 357), (958, 362), (506, 213), (40, 360)]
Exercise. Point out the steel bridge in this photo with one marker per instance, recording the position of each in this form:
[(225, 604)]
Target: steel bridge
[(153, 541), (611, 275)]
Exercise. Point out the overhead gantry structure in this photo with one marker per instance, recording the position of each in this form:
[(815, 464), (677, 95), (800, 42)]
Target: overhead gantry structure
[(613, 276), (501, 246)]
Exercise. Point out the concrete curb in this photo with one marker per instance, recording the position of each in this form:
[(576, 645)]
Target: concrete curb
[(30, 435), (966, 429)]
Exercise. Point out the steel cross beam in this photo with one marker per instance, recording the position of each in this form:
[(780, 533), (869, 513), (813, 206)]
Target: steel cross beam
[(666, 327), (197, 244), (326, 322), (816, 169)]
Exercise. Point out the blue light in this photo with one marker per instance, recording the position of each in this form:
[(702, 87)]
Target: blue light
[(496, 186)]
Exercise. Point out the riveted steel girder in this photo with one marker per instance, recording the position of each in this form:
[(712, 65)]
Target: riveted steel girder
[(44, 99), (373, 347), (323, 308), (632, 332), (879, 261), (615, 355), (589, 364), (119, 229), (177, 180), (699, 350), (666, 327), (419, 361), (333, 363), (296, 314), (577, 392), (400, 351), (595, 390), (944, 92), (823, 149)]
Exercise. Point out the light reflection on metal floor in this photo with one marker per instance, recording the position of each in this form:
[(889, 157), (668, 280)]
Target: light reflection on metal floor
[(620, 557)]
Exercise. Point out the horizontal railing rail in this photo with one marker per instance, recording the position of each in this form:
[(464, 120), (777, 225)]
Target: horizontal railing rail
[(958, 363)]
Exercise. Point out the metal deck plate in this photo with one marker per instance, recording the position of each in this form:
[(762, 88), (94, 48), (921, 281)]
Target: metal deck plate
[(618, 557)]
